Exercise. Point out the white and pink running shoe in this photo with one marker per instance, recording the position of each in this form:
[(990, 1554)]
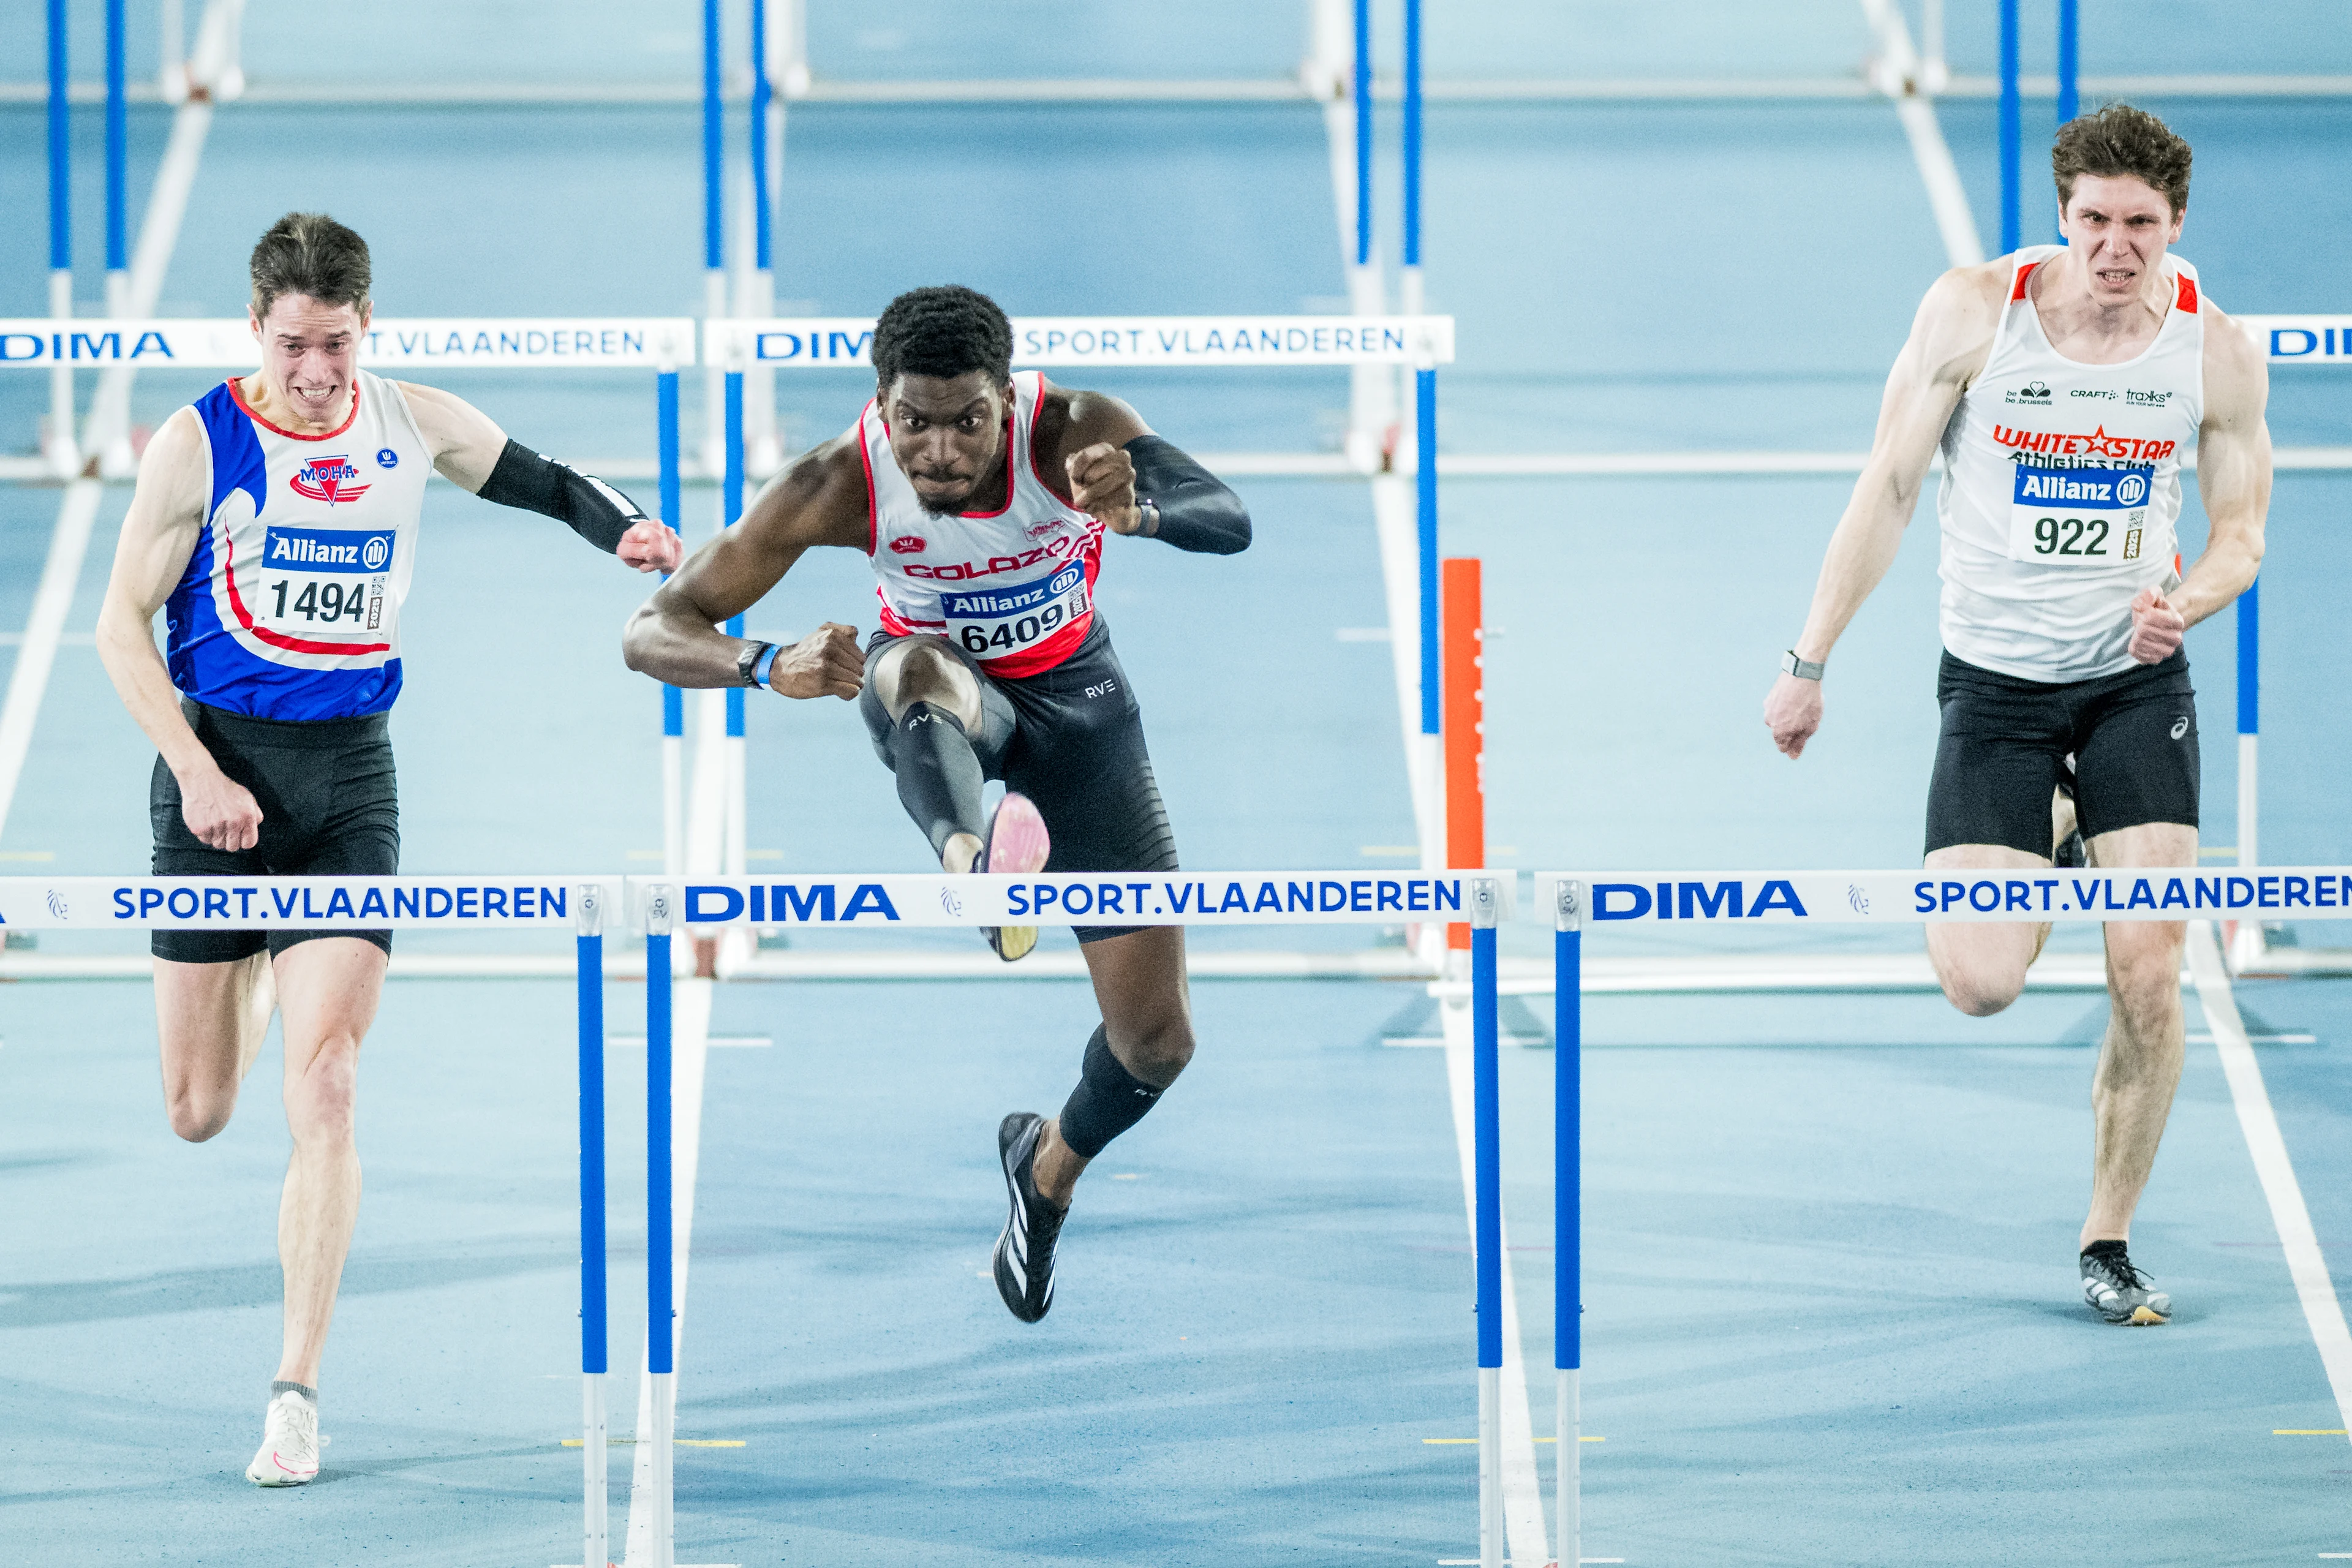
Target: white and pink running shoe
[(1016, 843)]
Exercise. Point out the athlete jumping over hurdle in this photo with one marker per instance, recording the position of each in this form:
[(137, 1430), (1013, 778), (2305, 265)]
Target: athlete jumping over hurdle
[(981, 498), (276, 523), (2062, 384)]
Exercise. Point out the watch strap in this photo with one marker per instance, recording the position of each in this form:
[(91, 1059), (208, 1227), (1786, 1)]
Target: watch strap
[(751, 663), (1802, 669)]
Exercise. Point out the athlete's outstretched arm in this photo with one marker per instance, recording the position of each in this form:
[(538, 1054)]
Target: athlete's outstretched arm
[(819, 498), (159, 534), (2234, 476), (1115, 463), (1951, 339), (470, 450)]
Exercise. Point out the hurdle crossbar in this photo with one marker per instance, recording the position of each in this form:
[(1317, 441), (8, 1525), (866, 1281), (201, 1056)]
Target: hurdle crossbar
[(657, 906)]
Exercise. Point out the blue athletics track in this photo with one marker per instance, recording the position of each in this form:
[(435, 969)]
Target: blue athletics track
[(1832, 1307)]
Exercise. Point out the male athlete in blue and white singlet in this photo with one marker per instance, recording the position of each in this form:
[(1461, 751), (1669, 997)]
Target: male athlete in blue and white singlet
[(981, 497), (2064, 384), (276, 526)]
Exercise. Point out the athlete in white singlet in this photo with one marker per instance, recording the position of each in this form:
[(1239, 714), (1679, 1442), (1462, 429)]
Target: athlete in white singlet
[(276, 526), (981, 497), (2064, 385)]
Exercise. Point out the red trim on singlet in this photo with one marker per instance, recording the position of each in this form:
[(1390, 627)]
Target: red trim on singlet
[(2187, 299), (236, 391), (2017, 291), (866, 457), (1034, 468), (280, 640)]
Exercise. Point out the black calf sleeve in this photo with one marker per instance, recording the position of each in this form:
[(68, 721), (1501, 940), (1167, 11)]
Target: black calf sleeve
[(940, 775), (1108, 1101)]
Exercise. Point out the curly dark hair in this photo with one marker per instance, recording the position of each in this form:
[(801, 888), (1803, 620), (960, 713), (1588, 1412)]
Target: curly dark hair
[(945, 332), (310, 253), (2117, 139)]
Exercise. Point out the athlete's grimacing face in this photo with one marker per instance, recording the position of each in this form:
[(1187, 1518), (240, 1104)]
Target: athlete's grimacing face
[(2119, 226), (311, 353), (948, 433)]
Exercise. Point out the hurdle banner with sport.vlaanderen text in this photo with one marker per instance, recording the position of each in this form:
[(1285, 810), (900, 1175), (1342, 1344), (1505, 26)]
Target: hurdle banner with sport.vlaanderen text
[(1978, 894), (465, 901), (587, 342)]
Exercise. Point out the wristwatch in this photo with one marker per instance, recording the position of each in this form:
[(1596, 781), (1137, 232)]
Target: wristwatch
[(752, 664), (1148, 513), (1802, 669)]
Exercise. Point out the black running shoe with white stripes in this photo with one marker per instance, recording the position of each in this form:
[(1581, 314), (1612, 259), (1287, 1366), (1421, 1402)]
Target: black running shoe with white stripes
[(1024, 1253), (2118, 1291)]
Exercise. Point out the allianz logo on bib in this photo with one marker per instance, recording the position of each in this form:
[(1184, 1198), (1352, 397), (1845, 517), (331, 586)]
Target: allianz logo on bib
[(328, 479), (1013, 601), (2107, 489), (327, 550)]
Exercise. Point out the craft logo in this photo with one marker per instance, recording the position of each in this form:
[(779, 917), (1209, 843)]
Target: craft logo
[(2093, 391), (2146, 399), (326, 480), (908, 544), (2031, 391)]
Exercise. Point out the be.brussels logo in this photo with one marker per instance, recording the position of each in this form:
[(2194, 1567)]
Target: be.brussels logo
[(908, 544), (2031, 391), (328, 479)]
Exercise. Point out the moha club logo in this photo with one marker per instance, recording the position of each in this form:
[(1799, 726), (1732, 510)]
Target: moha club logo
[(328, 479)]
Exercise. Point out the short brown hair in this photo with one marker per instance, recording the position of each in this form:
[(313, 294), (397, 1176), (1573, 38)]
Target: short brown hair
[(2118, 139), (310, 253)]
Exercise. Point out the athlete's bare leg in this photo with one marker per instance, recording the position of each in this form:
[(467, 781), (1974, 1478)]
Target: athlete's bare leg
[(2140, 1059), (211, 1018), (328, 989), (1147, 1010), (923, 670), (1982, 964)]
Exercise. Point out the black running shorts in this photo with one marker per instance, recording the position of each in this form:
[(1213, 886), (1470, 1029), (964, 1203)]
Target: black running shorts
[(329, 807), (2004, 743), (1071, 739)]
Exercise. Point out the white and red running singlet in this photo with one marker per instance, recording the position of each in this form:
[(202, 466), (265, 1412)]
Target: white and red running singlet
[(2061, 483), (1013, 587)]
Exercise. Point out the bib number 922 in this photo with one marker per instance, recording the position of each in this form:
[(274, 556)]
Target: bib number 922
[(2070, 536)]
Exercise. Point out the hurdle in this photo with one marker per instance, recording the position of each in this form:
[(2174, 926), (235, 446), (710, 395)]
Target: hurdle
[(657, 906), (1579, 901)]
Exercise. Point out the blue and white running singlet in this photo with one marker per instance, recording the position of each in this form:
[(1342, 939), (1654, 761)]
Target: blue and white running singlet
[(291, 604)]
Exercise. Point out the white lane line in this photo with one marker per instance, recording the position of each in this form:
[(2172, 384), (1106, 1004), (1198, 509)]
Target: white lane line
[(1898, 70), (2304, 1262), (30, 680), (159, 233), (1524, 1536), (689, 1053)]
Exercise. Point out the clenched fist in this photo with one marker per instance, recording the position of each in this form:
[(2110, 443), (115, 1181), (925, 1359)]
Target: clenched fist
[(1102, 485), (825, 663)]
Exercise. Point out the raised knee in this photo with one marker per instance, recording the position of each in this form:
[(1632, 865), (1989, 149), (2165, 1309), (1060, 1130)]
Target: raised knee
[(197, 1116), (1981, 996)]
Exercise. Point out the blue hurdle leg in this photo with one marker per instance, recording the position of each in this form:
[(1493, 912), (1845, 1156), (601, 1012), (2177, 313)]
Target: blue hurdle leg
[(593, 1335), (1568, 1209), (1486, 1157)]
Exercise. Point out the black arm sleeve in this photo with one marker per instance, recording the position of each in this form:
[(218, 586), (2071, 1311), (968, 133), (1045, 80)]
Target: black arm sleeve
[(1196, 510), (597, 512)]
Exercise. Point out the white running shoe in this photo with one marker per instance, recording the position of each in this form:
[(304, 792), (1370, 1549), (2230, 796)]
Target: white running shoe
[(290, 1444)]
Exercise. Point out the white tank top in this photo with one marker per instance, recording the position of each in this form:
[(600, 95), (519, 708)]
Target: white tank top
[(290, 607), (1014, 587), (2061, 483)]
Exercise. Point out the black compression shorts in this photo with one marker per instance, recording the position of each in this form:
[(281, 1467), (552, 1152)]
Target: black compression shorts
[(2004, 743), (1071, 739), (329, 807)]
